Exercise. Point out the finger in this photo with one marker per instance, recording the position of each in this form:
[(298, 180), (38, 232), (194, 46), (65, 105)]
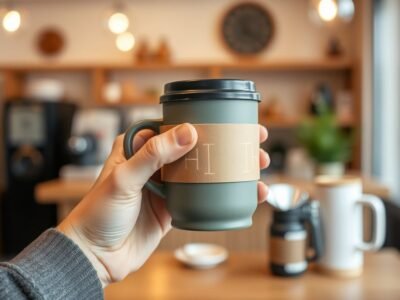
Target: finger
[(114, 158), (141, 138), (263, 134), (156, 152), (117, 155), (262, 190), (117, 147), (264, 159)]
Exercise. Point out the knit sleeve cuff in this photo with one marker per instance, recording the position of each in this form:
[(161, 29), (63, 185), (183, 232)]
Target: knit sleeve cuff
[(56, 267)]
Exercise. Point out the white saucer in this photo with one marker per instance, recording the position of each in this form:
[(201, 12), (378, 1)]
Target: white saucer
[(201, 256)]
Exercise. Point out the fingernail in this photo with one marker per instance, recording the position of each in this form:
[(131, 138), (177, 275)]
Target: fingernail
[(183, 135)]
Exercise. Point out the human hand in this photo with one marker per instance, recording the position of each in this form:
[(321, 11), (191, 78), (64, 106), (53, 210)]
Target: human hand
[(115, 229)]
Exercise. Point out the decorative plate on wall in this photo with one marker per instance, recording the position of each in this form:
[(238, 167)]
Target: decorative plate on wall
[(50, 42), (247, 28)]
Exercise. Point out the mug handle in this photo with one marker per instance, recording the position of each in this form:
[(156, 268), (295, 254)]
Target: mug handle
[(155, 187), (379, 228)]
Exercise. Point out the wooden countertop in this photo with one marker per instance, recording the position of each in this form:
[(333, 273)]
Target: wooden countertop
[(246, 276), (63, 191), (370, 185), (60, 191)]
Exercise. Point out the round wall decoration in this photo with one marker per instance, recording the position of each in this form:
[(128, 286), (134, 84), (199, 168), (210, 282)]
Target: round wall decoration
[(50, 42), (247, 28)]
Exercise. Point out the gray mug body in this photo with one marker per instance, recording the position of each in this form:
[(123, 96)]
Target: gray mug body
[(211, 206)]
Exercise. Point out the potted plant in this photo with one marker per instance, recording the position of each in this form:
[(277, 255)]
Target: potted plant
[(326, 142)]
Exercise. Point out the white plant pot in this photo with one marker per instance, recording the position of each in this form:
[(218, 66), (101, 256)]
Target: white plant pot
[(331, 169)]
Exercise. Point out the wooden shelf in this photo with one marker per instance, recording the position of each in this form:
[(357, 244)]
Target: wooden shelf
[(293, 122), (99, 74), (273, 65), (142, 101), (280, 122)]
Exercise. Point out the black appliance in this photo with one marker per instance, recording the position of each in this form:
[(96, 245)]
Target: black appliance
[(35, 136), (295, 230)]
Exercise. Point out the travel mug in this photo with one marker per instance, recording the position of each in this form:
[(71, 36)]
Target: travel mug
[(214, 186), (341, 201)]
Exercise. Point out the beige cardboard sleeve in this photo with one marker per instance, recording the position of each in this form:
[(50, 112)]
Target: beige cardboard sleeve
[(223, 153), (286, 251)]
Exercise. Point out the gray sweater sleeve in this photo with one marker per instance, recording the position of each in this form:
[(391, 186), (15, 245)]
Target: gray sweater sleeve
[(52, 267)]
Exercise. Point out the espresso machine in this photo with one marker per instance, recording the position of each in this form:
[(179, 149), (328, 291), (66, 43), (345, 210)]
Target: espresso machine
[(92, 136), (35, 135)]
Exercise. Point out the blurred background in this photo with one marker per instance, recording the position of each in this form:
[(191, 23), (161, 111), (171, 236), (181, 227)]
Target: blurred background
[(74, 74)]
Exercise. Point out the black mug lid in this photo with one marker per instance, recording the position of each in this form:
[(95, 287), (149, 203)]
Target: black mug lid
[(210, 89)]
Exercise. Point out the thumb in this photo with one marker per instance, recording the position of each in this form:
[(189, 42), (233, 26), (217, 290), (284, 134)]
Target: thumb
[(158, 151)]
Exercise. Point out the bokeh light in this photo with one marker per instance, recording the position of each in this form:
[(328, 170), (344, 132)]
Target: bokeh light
[(118, 23), (327, 10), (125, 41), (12, 21)]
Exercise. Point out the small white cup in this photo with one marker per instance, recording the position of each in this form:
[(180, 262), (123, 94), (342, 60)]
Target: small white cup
[(341, 202)]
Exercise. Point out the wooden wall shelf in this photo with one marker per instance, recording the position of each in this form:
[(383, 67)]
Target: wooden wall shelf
[(294, 122), (99, 74), (14, 73), (287, 65)]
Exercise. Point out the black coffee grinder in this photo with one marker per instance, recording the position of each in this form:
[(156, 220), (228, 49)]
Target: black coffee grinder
[(295, 232), (35, 134)]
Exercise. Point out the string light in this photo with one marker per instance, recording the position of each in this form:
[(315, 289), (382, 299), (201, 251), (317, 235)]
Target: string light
[(125, 41), (327, 10), (12, 21), (118, 23)]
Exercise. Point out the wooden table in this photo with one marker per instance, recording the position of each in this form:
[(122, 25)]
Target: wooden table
[(62, 191), (67, 193), (246, 276)]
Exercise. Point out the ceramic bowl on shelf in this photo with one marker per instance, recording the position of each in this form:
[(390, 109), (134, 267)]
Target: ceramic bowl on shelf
[(46, 89), (201, 256)]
